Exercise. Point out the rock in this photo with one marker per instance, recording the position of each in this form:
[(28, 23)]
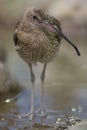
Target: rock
[(80, 126), (9, 87)]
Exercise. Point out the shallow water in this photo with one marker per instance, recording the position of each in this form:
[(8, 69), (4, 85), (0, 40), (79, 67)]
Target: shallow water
[(65, 90)]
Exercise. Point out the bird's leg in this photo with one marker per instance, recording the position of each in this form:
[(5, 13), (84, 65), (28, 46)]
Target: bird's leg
[(32, 93), (31, 113), (42, 111), (42, 87)]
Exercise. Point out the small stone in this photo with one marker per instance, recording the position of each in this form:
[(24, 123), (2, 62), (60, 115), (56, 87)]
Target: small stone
[(79, 126)]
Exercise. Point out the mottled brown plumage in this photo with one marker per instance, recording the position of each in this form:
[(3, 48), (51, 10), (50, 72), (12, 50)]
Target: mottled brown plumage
[(36, 42), (37, 38)]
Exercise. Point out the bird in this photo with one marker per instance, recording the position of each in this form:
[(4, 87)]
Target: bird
[(37, 37)]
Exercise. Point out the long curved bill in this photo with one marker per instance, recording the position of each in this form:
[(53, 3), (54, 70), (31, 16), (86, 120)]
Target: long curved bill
[(57, 31)]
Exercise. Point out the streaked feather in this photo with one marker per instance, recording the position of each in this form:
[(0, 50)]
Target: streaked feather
[(37, 43)]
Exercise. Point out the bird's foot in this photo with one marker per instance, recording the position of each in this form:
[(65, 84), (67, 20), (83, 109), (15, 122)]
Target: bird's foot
[(41, 113), (29, 115)]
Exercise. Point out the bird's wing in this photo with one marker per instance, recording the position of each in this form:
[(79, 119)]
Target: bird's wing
[(55, 25), (51, 20), (15, 37)]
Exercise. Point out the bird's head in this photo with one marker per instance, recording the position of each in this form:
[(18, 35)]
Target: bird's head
[(33, 17)]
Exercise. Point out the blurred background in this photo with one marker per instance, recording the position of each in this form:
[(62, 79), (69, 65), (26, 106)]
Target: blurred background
[(67, 74)]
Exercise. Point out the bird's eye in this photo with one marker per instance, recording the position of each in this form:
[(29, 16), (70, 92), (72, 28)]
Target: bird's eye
[(34, 17)]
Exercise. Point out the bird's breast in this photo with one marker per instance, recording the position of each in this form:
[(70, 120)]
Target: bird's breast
[(37, 47)]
